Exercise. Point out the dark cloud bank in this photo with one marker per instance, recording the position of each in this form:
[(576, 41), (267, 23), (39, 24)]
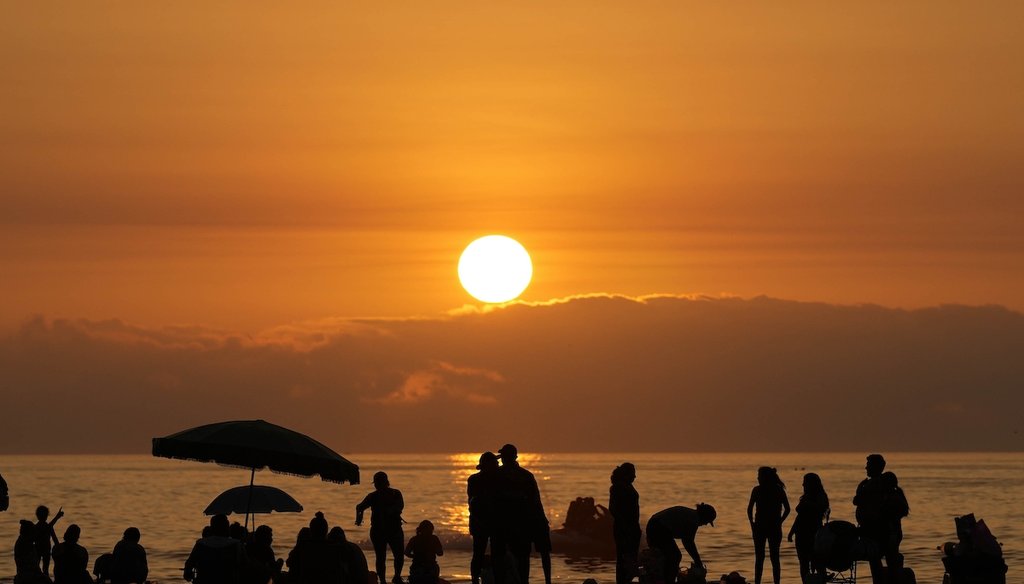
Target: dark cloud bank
[(597, 373)]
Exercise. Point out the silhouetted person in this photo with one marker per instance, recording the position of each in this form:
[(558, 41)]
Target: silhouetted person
[(668, 525), (811, 512), (624, 505), (238, 531), (71, 560), (128, 564), (318, 562), (894, 508), (45, 534), (352, 557), (766, 511), (482, 491), (424, 549), (5, 499), (386, 506), (263, 563), (870, 516), (518, 507), (301, 539), (216, 558), (26, 558)]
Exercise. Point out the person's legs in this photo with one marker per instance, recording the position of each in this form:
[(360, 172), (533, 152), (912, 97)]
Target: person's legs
[(774, 543), (759, 541), (804, 554), (479, 551), (380, 550), (499, 549), (627, 548), (521, 552), (545, 563), (396, 541)]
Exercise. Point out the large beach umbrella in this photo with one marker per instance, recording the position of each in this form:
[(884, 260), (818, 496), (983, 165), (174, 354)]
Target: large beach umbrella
[(257, 444), (253, 499)]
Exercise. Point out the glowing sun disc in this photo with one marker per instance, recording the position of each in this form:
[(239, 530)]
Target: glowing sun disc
[(495, 269)]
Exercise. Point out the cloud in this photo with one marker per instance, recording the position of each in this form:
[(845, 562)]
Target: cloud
[(598, 372)]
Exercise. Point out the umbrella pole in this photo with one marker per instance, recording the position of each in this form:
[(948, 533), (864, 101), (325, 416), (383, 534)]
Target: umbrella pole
[(252, 479)]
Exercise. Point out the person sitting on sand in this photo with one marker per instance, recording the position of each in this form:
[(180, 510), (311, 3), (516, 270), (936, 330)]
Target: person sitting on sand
[(216, 558), (70, 560), (386, 505), (318, 564), (424, 548), (26, 558), (260, 551), (44, 534), (352, 558), (667, 525), (128, 564)]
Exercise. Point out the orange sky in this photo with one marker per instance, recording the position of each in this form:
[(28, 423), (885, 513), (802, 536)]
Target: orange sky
[(252, 164)]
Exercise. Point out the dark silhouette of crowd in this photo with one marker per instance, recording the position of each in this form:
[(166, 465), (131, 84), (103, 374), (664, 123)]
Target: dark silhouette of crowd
[(506, 519)]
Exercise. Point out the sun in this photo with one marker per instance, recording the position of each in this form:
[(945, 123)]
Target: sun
[(495, 269)]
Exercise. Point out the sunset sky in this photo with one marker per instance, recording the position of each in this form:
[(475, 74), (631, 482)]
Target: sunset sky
[(231, 171)]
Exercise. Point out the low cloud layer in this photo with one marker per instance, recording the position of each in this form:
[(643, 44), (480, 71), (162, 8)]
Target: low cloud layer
[(595, 373)]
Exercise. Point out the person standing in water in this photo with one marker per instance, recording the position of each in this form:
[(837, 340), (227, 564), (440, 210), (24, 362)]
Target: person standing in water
[(386, 505), (871, 519), (481, 490), (772, 507), (624, 505), (44, 534), (811, 513)]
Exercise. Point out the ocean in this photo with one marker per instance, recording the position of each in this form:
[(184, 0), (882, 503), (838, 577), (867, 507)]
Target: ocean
[(165, 500)]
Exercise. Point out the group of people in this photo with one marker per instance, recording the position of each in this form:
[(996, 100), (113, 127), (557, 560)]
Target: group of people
[(228, 553), (880, 507), (37, 543), (506, 518)]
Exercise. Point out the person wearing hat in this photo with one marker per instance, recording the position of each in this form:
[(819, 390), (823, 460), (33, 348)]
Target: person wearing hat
[(481, 490), (519, 513), (386, 505), (668, 525)]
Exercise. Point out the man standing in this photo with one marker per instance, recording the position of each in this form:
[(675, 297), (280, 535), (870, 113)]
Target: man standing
[(869, 502), (519, 512), (668, 525)]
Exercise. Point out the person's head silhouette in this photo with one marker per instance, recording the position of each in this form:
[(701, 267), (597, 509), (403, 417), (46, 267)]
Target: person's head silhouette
[(26, 528), (132, 535), (706, 514), (425, 528), (508, 453), (337, 535), (488, 461), (875, 465), (624, 474), (42, 512), (220, 526), (318, 526), (769, 477), (812, 483), (380, 480), (72, 533), (263, 535)]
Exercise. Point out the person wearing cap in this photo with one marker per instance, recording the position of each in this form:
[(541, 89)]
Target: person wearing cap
[(870, 516), (668, 525), (481, 490), (519, 513), (386, 505)]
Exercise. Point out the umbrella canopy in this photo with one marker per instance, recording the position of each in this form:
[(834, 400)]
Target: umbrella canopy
[(254, 499), (257, 444)]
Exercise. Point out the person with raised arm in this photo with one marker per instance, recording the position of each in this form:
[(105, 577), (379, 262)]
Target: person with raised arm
[(386, 505)]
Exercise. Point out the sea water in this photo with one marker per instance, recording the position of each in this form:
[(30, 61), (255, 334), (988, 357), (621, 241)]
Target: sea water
[(165, 500)]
